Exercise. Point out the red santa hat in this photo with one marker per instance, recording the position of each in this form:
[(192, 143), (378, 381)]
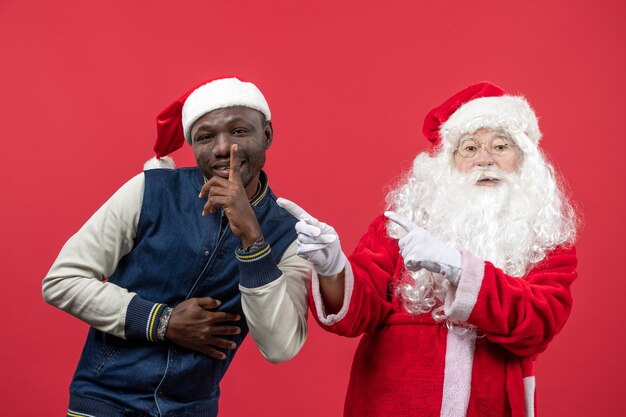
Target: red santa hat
[(482, 105), (175, 121)]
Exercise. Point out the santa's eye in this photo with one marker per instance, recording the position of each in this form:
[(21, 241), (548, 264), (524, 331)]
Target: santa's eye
[(498, 146), (469, 146)]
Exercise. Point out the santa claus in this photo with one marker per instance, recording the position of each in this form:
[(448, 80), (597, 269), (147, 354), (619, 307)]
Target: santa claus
[(465, 281)]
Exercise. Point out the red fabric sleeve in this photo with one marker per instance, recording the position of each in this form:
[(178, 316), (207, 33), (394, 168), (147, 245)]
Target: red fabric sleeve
[(373, 264), (524, 315)]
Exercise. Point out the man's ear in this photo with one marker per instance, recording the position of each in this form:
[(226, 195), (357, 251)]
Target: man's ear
[(268, 132)]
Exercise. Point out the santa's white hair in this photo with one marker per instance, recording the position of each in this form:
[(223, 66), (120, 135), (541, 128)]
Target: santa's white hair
[(512, 225)]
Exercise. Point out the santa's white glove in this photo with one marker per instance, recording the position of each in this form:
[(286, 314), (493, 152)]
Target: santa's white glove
[(318, 243), (420, 250)]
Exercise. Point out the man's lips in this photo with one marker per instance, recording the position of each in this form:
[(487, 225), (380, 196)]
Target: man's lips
[(222, 169)]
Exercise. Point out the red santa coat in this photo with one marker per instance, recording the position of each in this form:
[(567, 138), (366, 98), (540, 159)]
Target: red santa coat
[(408, 365)]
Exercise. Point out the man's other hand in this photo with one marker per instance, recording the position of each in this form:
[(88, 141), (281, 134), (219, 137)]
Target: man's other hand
[(194, 325)]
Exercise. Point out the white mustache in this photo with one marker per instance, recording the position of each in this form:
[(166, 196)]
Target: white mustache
[(489, 176), (486, 173)]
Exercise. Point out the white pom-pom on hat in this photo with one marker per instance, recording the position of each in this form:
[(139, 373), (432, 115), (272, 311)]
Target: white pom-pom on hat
[(159, 163)]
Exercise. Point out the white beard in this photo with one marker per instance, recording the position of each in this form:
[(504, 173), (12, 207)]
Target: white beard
[(511, 225)]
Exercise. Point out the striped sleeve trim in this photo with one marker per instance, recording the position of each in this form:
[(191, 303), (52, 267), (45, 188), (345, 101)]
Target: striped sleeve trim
[(257, 268), (251, 257), (142, 319), (71, 413), (151, 326)]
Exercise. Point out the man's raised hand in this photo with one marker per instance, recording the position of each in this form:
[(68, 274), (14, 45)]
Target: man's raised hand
[(234, 174), (230, 194)]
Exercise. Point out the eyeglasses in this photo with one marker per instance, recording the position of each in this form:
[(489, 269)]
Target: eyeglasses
[(497, 146)]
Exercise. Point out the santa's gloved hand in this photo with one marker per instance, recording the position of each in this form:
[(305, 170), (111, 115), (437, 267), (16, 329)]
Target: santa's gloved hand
[(318, 243), (421, 250)]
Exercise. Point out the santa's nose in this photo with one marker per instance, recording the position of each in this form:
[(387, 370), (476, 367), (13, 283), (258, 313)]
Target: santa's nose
[(484, 158)]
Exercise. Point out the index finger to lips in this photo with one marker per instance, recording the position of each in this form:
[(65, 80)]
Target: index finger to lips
[(401, 221), (233, 174)]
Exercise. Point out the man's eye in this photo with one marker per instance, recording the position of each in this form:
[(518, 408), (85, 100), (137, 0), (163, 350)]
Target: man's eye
[(205, 138), (240, 131), (470, 148)]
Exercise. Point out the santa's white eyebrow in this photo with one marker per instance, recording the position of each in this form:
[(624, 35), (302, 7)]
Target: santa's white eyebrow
[(496, 134)]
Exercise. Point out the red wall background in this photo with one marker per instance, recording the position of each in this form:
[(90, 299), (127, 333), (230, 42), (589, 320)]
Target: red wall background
[(348, 84)]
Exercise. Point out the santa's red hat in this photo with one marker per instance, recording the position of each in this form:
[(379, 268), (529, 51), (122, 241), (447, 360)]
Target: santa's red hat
[(482, 105), (175, 121)]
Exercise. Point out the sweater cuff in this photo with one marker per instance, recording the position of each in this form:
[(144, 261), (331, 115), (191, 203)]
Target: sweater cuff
[(258, 267), (142, 319)]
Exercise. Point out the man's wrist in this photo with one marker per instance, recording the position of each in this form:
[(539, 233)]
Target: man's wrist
[(163, 323), (143, 318), (252, 245), (257, 266)]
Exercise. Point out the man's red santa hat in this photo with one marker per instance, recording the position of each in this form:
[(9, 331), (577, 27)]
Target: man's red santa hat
[(175, 121), (482, 105)]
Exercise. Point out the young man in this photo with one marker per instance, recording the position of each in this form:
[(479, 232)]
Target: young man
[(174, 269), (462, 285)]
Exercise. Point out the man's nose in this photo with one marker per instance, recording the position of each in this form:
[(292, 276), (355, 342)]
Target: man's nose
[(221, 145)]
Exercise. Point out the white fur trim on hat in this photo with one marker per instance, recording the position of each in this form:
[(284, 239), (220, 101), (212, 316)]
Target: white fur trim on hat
[(218, 94), (511, 113), (157, 163)]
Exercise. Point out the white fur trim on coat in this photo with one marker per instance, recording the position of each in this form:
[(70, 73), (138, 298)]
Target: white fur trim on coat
[(460, 300), (511, 113), (457, 377), (529, 395), (331, 319)]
